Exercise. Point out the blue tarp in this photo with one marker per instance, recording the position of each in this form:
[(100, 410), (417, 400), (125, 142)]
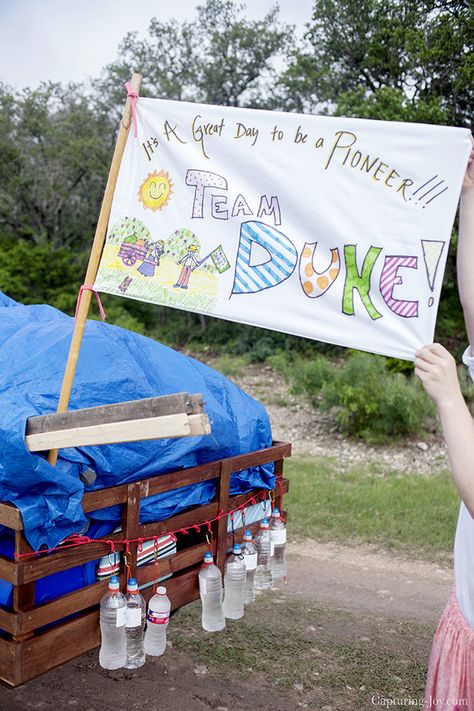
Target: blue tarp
[(114, 365)]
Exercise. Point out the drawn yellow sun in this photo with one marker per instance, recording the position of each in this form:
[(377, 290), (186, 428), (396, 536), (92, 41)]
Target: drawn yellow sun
[(156, 190)]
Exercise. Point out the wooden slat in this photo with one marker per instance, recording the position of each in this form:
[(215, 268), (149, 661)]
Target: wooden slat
[(8, 621), (58, 645), (220, 527), (74, 637), (8, 570), (63, 606), (180, 425), (117, 412), (8, 662), (95, 500), (131, 528), (62, 560), (10, 516)]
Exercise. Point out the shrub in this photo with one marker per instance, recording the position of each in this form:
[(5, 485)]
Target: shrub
[(372, 403)]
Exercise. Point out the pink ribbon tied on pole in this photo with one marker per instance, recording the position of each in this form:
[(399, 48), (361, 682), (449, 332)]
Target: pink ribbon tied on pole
[(88, 287), (133, 96)]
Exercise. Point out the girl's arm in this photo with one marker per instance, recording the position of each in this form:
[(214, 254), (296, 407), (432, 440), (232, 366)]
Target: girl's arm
[(437, 370), (465, 256)]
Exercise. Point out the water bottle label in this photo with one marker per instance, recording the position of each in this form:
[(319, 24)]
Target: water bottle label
[(121, 618), (158, 618), (250, 561), (134, 617), (278, 536)]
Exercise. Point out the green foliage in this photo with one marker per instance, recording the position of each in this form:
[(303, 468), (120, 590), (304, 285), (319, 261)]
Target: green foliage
[(219, 58), (372, 403), (38, 274), (56, 150), (231, 366), (368, 398), (371, 503), (388, 59)]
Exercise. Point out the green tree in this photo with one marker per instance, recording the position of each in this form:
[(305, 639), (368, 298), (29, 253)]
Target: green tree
[(56, 150), (220, 58), (391, 59)]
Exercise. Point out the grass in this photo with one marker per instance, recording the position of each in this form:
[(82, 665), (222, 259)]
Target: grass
[(408, 513), (231, 366), (330, 655)]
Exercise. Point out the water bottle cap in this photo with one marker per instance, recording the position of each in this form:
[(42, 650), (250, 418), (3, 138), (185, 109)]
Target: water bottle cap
[(237, 548), (161, 590), (264, 523), (248, 535), (132, 585), (276, 513), (208, 557), (114, 583)]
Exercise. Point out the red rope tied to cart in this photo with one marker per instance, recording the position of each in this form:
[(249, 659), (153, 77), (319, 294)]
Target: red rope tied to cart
[(77, 540), (89, 287)]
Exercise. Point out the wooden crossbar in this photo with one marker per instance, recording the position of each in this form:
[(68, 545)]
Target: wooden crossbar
[(179, 425), (117, 412)]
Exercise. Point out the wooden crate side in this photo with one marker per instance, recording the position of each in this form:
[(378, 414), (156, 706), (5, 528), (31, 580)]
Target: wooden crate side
[(9, 666), (21, 662), (62, 560)]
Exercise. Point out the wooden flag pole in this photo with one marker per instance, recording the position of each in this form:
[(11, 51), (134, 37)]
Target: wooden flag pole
[(94, 259)]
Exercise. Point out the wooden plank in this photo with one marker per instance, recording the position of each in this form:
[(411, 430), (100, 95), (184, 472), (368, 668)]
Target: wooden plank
[(178, 403), (8, 621), (74, 637), (8, 570), (62, 560), (23, 593), (63, 606), (10, 516), (95, 500), (131, 528), (58, 645), (126, 431), (278, 450), (220, 526), (32, 569), (8, 656)]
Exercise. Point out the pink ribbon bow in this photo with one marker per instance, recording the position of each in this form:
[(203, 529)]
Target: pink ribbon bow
[(88, 287)]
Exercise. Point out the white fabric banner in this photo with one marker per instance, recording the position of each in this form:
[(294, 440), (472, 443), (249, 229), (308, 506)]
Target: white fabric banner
[(330, 228)]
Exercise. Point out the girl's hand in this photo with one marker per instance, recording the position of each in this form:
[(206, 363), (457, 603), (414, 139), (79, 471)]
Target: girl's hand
[(436, 369)]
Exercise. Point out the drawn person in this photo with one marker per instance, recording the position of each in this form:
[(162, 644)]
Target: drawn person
[(451, 668), (189, 262), (152, 260)]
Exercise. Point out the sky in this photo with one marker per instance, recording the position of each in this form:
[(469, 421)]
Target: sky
[(71, 40)]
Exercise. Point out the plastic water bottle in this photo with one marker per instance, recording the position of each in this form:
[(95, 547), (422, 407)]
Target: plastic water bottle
[(278, 540), (210, 589), (263, 573), (113, 611), (249, 551), (234, 583), (157, 622), (134, 626)]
